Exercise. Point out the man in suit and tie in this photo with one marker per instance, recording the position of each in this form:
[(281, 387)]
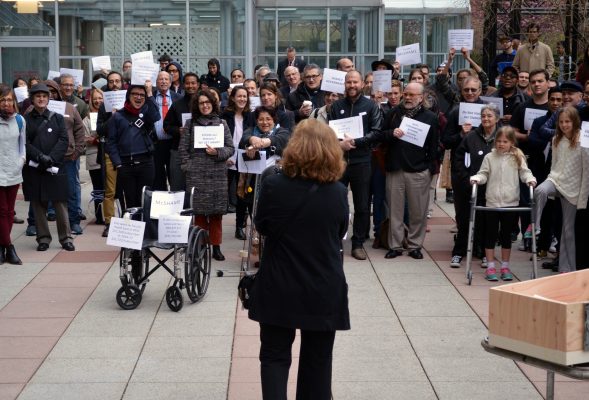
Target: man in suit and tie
[(291, 60)]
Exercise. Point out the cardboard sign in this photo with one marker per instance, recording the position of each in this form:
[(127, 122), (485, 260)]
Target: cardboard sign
[(143, 71), (585, 134), (498, 101), (125, 233), (471, 113), (213, 135), (415, 132), (530, 115), (459, 38), (57, 107), (408, 55), (21, 93), (166, 203), (255, 166), (333, 81), (351, 127), (114, 99), (382, 81), (93, 120), (100, 63), (143, 56), (78, 75), (173, 228)]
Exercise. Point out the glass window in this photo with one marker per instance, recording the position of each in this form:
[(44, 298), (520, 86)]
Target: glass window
[(305, 29), (391, 34), (13, 23), (412, 31)]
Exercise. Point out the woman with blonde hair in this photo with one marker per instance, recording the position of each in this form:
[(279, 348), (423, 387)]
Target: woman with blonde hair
[(303, 213)]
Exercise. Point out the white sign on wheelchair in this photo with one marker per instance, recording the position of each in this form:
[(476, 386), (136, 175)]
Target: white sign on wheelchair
[(166, 203), (173, 228), (125, 233)]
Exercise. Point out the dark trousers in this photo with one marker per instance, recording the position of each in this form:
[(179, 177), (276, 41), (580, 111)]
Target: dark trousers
[(132, 179), (97, 184), (502, 222), (316, 356), (378, 192), (550, 224), (358, 177), (7, 200), (161, 159)]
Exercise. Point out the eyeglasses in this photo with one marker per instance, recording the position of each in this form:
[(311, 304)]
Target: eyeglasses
[(470, 90), (172, 71), (204, 103), (6, 100), (312, 76), (138, 95), (67, 85), (509, 76)]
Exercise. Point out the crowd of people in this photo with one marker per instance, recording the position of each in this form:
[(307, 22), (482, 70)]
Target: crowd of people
[(532, 138)]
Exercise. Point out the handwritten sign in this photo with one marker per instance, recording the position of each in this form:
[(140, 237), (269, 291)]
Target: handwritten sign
[(255, 102), (333, 81), (459, 38), (93, 119), (408, 55), (143, 56), (213, 135), (173, 228), (100, 63), (21, 93), (143, 71), (186, 117), (415, 132), (166, 203), (382, 81), (498, 101), (78, 74), (57, 107), (255, 166), (126, 233), (471, 113), (351, 127), (114, 100), (52, 74), (585, 134), (530, 115)]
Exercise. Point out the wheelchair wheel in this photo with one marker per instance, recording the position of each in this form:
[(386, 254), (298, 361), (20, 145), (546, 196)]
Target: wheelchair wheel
[(197, 271), (129, 297), (174, 298)]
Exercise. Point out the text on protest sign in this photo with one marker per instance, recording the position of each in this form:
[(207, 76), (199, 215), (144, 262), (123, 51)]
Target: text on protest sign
[(114, 100), (142, 56), (351, 127), (143, 71), (471, 113), (530, 115), (408, 55), (166, 203), (173, 228), (213, 135), (414, 132), (459, 38), (21, 93), (78, 74), (585, 134), (333, 81), (126, 233), (382, 81), (57, 107)]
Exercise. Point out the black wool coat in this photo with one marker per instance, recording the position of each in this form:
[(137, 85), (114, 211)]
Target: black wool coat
[(301, 282)]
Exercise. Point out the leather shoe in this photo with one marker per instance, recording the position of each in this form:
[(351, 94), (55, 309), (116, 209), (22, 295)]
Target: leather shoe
[(18, 220), (416, 254), (2, 251), (105, 231), (217, 255), (359, 253), (393, 254), (376, 243), (11, 256), (240, 234), (51, 217), (68, 246), (42, 246)]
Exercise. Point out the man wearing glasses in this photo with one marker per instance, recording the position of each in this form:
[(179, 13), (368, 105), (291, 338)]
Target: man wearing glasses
[(534, 54), (66, 87), (308, 95)]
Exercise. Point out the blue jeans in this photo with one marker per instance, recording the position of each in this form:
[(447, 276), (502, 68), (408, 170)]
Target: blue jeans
[(74, 198)]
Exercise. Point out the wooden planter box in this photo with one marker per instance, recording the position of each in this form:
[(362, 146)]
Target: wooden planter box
[(543, 318)]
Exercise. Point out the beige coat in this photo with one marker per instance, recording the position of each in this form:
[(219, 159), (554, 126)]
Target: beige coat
[(528, 59)]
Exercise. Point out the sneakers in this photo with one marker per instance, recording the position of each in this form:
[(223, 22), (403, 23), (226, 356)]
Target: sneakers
[(484, 262), (430, 213), (552, 248), (359, 253), (528, 232), (105, 231), (455, 261), (449, 196), (506, 274), (541, 254), (454, 229), (31, 230), (491, 275)]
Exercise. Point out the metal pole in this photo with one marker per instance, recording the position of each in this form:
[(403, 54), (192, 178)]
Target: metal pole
[(187, 68), (56, 12)]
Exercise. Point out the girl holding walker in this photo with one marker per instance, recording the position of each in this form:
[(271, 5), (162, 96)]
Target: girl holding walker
[(569, 180), (501, 170)]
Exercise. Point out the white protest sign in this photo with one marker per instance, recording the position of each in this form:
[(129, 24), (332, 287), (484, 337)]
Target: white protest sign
[(142, 56), (173, 228), (127, 233), (254, 166), (52, 74), (498, 101), (186, 117), (471, 113), (333, 81), (351, 127), (408, 55), (213, 135), (585, 134), (255, 102), (100, 63), (78, 74), (166, 203), (382, 81), (143, 71), (415, 132), (21, 93), (459, 38), (114, 99), (99, 83), (530, 115), (57, 107), (93, 120)]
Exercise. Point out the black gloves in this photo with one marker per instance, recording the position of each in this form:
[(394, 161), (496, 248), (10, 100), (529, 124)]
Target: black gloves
[(45, 162)]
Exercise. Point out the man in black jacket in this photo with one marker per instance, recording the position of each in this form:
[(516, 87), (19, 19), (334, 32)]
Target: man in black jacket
[(291, 60), (409, 169), (357, 154), (214, 78), (309, 90)]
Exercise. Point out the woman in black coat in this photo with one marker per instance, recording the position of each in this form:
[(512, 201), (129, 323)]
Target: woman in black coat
[(303, 213)]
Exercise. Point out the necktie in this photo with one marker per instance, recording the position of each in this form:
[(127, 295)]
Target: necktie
[(164, 106)]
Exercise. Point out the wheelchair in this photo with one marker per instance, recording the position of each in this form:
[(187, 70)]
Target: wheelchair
[(191, 268)]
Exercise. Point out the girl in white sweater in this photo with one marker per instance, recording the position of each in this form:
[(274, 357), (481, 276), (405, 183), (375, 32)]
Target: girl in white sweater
[(501, 170), (569, 180)]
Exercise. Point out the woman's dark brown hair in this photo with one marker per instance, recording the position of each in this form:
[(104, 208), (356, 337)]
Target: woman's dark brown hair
[(231, 106), (272, 88), (6, 90), (194, 103)]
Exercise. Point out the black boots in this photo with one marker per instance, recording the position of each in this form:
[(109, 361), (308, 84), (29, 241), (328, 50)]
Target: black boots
[(217, 255), (240, 234), (8, 254)]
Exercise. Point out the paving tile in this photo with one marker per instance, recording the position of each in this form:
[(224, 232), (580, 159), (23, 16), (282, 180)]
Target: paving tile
[(493, 389), (98, 347), (420, 280), (188, 347), (33, 326), (459, 369), (18, 370), (84, 370), (73, 391), (77, 268), (437, 325), (170, 326), (182, 370), (467, 346), (26, 347), (123, 324), (192, 391), (41, 309), (383, 390), (415, 267), (246, 327), (10, 391), (350, 347), (247, 346), (576, 390), (247, 369), (86, 256), (66, 281), (373, 326), (378, 369)]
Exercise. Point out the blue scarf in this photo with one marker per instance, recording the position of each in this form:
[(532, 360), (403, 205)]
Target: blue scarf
[(258, 133)]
